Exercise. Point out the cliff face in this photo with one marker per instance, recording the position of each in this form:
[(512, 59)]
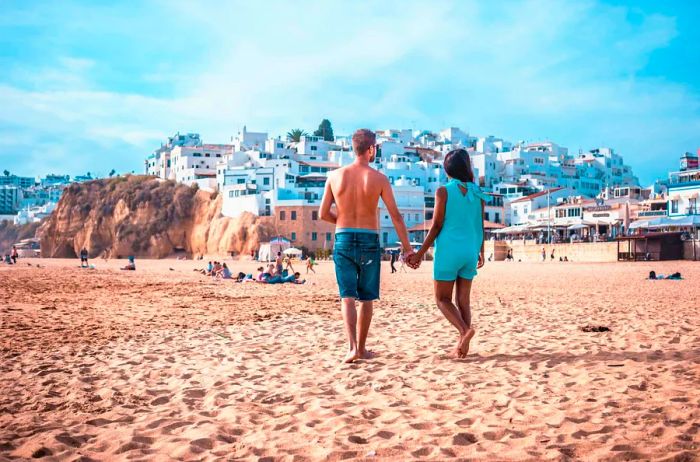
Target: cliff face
[(143, 216), (10, 234)]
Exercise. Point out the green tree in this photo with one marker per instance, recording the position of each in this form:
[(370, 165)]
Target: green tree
[(295, 134), (6, 172), (325, 130), (112, 172)]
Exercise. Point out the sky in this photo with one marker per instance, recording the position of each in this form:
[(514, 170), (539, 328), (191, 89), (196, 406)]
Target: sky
[(96, 85)]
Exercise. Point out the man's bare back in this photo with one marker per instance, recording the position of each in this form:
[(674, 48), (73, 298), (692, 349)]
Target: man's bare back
[(356, 191)]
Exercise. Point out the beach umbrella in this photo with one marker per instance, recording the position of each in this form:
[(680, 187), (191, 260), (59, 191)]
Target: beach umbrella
[(292, 251)]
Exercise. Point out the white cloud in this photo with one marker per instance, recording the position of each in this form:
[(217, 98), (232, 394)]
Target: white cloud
[(533, 69)]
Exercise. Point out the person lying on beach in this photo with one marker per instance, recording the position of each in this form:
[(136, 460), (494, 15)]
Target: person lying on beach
[(279, 279), (458, 233), (675, 276)]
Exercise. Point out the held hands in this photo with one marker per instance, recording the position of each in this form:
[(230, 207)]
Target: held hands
[(413, 260)]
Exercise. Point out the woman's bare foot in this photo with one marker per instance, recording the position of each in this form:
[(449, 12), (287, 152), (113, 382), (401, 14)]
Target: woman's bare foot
[(351, 357), (366, 354), (464, 342)]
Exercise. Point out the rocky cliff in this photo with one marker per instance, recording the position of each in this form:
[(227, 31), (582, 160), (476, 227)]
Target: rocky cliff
[(147, 217), (11, 234)]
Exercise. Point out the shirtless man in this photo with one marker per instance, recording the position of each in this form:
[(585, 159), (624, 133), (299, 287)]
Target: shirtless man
[(355, 190)]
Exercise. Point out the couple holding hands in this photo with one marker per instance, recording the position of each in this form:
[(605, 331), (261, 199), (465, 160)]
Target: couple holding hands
[(457, 232)]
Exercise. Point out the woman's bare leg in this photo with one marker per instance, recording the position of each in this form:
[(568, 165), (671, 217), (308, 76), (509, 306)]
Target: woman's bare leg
[(464, 289), (443, 298)]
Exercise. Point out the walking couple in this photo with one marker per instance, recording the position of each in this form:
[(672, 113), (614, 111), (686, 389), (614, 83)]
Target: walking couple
[(457, 231)]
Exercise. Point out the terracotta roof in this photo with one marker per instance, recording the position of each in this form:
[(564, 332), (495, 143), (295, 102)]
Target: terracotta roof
[(538, 194), (425, 226), (314, 163)]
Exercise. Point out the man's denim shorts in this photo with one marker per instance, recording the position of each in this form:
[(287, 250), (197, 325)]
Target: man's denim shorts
[(357, 260)]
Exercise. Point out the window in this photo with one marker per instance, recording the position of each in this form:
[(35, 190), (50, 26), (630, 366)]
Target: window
[(294, 214), (497, 217), (417, 217), (385, 237), (280, 145), (674, 206), (266, 180), (230, 194), (693, 206), (314, 215), (283, 215), (240, 181), (294, 236), (314, 148), (207, 155), (328, 237), (314, 236)]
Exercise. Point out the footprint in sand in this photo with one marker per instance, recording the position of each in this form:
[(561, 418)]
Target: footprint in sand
[(463, 439)]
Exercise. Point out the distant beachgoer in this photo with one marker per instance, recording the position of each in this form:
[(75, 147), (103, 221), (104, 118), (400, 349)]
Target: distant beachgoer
[(216, 269), (355, 190), (8, 259), (210, 268), (393, 261), (279, 263), (14, 255), (544, 254), (402, 260), (224, 272), (131, 265), (566, 258), (458, 233), (288, 264), (310, 265), (83, 258), (552, 255)]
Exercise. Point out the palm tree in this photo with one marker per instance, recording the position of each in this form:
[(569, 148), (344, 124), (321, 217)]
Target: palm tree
[(295, 134)]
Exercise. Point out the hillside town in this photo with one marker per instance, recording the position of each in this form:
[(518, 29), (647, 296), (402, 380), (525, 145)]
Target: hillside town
[(26, 199), (538, 190)]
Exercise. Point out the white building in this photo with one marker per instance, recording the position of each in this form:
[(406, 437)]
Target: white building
[(519, 211), (684, 188)]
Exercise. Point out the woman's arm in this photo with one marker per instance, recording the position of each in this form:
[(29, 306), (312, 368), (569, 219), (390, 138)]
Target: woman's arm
[(438, 220)]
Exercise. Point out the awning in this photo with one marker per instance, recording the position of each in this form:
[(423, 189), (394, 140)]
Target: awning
[(686, 221), (292, 251), (577, 226)]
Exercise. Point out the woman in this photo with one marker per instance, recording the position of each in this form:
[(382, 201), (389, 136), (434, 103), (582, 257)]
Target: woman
[(458, 233)]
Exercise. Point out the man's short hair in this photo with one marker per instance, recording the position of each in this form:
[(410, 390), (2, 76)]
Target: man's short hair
[(362, 140)]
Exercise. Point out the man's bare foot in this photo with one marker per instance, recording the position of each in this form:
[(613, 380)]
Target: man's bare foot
[(464, 342), (366, 354), (352, 356)]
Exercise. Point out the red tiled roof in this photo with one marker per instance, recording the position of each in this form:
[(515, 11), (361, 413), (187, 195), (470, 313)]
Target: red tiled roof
[(312, 163), (425, 226), (538, 194)]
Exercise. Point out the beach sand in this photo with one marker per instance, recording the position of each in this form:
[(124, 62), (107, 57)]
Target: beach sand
[(166, 364)]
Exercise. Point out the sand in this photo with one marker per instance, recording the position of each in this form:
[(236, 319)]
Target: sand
[(165, 364)]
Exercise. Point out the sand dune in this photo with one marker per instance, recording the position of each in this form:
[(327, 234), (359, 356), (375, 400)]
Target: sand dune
[(165, 364)]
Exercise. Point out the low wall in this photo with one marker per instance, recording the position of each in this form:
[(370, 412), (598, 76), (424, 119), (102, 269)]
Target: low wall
[(691, 250), (581, 251)]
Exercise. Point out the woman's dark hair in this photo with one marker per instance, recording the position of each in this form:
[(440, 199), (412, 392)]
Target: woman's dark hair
[(458, 165)]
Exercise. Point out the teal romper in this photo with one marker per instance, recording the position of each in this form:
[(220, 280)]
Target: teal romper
[(458, 245)]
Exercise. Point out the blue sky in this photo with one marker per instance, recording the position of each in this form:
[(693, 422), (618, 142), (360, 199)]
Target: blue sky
[(91, 86)]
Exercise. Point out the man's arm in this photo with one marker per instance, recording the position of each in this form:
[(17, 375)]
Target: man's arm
[(438, 221), (324, 210), (396, 218)]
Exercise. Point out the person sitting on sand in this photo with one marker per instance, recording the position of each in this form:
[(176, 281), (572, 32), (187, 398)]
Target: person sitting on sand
[(216, 268), (8, 259), (458, 233), (224, 272), (310, 265), (210, 268), (131, 265), (84, 258)]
